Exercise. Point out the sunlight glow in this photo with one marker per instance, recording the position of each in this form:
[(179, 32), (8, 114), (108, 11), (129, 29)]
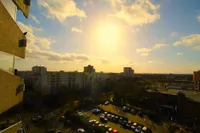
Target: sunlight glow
[(109, 36)]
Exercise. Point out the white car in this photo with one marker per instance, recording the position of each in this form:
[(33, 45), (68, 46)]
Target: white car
[(110, 130), (107, 102), (81, 130)]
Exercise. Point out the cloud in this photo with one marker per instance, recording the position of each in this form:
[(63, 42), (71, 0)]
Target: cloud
[(61, 9), (32, 39), (188, 40), (74, 29), (179, 54), (135, 30), (139, 13), (155, 62), (173, 34), (34, 19), (28, 28), (147, 51), (88, 2), (158, 46), (38, 29), (25, 28), (38, 48), (145, 54), (103, 59), (197, 47), (143, 50), (53, 56), (198, 18)]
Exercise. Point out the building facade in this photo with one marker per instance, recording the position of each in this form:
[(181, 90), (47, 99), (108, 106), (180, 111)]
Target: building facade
[(89, 69), (196, 80), (128, 72), (12, 44), (48, 82)]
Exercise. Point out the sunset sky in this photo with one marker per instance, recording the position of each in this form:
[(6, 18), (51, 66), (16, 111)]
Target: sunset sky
[(151, 36)]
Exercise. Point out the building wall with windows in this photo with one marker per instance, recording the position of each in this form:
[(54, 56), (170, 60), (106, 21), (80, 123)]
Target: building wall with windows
[(128, 72), (48, 82)]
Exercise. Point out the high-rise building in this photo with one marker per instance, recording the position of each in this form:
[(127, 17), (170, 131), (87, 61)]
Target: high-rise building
[(89, 69), (12, 44), (39, 70), (128, 72), (196, 76), (196, 79)]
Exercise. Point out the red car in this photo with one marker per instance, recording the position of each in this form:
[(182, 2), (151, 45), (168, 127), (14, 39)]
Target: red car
[(115, 131)]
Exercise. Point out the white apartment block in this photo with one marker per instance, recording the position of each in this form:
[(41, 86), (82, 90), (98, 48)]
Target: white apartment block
[(48, 82)]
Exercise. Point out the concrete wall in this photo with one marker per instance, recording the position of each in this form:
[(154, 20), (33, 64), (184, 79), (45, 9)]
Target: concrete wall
[(12, 129), (23, 7), (8, 86), (10, 34)]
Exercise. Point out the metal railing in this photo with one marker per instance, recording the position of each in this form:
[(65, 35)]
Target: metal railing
[(19, 118)]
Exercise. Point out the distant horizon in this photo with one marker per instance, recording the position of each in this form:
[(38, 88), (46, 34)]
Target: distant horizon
[(105, 72)]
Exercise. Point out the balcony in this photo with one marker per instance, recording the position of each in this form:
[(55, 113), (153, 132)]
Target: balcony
[(11, 90), (12, 129), (10, 41)]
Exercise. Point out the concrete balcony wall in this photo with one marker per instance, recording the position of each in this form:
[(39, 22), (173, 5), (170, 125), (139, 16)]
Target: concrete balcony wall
[(10, 34), (8, 90), (23, 7), (12, 129)]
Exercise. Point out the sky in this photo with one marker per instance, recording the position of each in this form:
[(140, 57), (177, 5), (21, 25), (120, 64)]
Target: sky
[(151, 36)]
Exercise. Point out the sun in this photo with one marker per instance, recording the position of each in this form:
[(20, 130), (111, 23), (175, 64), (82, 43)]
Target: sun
[(109, 36)]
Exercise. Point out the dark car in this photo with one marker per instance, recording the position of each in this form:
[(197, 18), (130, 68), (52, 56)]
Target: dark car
[(103, 119), (133, 111), (53, 131), (96, 111), (37, 118), (67, 123), (138, 129), (140, 113)]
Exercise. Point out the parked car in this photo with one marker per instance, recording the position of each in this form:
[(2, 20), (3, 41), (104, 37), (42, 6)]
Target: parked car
[(145, 130), (106, 127), (67, 123), (115, 131), (92, 121), (107, 102), (62, 118), (37, 118), (53, 131), (133, 111), (96, 111), (110, 130), (124, 108), (138, 129), (140, 113), (81, 130), (96, 123)]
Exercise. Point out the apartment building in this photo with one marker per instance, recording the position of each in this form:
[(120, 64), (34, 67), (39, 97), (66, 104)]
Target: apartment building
[(128, 72), (12, 45), (196, 80), (48, 82)]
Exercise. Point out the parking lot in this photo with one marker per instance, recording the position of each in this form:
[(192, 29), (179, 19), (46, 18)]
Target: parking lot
[(143, 121)]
